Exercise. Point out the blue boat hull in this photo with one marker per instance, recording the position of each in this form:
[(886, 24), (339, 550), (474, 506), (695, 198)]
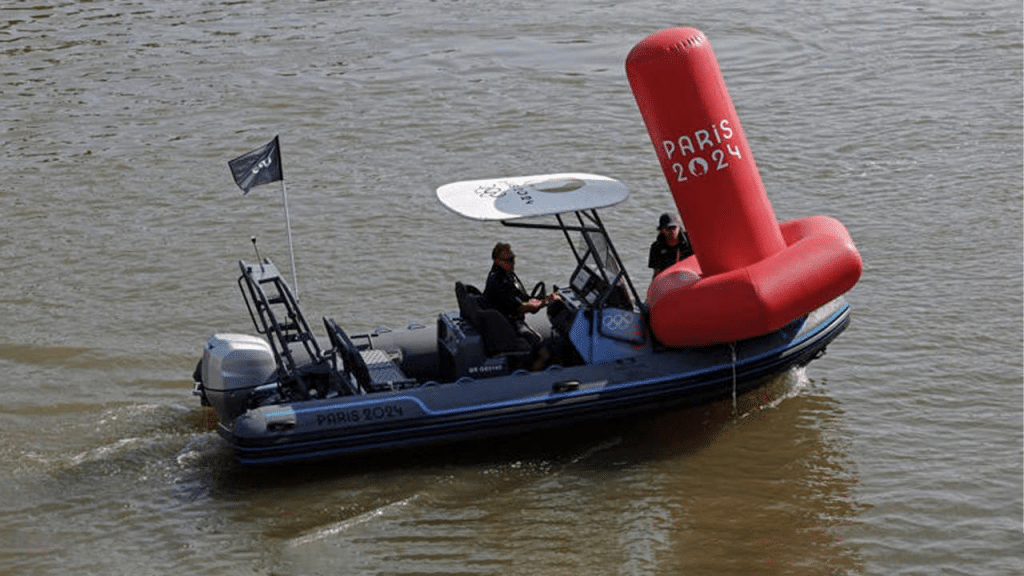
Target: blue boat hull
[(523, 402)]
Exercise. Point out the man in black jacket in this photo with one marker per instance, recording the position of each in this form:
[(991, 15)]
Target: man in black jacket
[(671, 246), (505, 293)]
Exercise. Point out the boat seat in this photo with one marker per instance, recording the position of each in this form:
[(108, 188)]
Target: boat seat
[(462, 291), (498, 334), (352, 361), (373, 369)]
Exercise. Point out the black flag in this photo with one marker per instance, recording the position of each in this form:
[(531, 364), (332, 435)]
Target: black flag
[(260, 166)]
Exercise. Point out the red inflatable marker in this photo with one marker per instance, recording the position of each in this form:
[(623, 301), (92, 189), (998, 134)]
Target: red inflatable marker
[(749, 276)]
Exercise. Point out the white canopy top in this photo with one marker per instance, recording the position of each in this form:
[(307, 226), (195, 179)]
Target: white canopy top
[(525, 196)]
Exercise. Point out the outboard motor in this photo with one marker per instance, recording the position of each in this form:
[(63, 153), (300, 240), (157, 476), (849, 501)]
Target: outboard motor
[(233, 365)]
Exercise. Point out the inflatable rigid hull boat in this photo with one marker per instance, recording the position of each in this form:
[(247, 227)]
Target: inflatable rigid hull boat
[(286, 394)]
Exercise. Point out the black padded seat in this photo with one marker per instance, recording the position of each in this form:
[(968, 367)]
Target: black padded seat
[(498, 334)]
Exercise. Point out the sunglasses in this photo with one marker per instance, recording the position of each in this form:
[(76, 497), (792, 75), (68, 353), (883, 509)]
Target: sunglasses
[(511, 258)]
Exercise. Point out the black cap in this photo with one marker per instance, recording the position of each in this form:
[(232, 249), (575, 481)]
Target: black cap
[(667, 221)]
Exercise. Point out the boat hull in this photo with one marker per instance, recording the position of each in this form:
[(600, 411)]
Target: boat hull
[(474, 409)]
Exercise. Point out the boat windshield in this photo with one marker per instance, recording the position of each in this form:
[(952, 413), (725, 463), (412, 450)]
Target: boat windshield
[(599, 279)]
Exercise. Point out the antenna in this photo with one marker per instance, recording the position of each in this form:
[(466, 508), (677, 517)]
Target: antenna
[(254, 247)]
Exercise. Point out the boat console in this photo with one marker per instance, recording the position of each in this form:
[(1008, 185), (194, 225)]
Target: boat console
[(462, 352)]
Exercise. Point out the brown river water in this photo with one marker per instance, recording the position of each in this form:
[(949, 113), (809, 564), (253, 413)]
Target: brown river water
[(899, 452)]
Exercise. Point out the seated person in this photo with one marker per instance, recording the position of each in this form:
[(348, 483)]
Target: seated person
[(505, 293)]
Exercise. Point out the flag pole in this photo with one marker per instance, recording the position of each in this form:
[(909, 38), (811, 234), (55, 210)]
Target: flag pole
[(263, 166), (288, 229)]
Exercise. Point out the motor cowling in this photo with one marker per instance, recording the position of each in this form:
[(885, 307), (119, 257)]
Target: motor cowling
[(232, 366)]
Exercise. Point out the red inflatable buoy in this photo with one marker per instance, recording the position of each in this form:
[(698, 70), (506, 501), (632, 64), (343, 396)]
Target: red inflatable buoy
[(749, 276)]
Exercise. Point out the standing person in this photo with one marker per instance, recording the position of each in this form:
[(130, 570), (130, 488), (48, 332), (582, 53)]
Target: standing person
[(505, 293), (671, 246)]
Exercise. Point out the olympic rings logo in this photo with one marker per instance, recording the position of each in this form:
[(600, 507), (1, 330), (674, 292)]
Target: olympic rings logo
[(616, 322)]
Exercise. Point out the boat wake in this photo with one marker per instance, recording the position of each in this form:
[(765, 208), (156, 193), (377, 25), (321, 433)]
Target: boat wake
[(781, 388), (137, 440), (344, 525)]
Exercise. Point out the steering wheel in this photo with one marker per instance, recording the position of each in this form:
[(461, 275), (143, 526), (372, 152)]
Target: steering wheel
[(539, 291)]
